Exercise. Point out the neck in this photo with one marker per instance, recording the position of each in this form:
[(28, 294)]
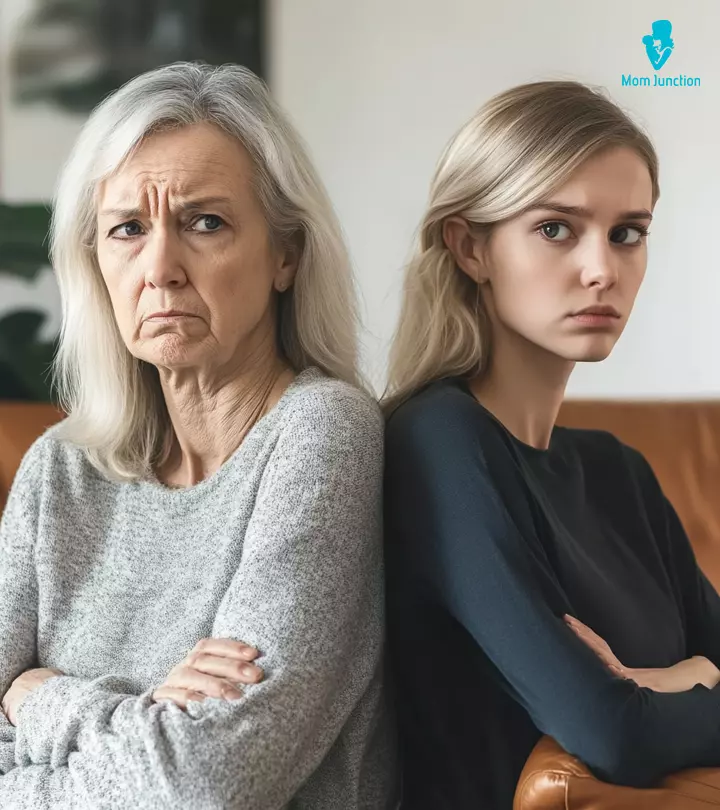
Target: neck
[(211, 413), (523, 387)]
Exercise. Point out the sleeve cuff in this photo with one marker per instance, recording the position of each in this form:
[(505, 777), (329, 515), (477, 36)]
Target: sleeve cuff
[(49, 719)]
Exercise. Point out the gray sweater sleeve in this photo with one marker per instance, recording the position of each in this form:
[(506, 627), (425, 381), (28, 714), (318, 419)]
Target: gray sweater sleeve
[(308, 594), (18, 598)]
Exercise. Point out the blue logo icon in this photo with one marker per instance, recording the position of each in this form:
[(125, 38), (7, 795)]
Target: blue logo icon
[(659, 45)]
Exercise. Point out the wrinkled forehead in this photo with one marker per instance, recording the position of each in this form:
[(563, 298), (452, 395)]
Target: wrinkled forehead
[(182, 163)]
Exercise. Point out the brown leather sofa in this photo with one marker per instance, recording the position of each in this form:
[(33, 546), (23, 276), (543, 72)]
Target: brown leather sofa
[(554, 780), (20, 424), (681, 440), (682, 443)]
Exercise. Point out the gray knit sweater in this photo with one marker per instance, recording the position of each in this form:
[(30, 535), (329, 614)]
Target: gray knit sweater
[(114, 583)]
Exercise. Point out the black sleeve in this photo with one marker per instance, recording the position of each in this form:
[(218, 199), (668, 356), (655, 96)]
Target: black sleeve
[(699, 599), (459, 537)]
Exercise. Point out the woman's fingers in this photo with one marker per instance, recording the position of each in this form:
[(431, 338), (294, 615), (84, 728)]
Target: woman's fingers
[(184, 677), (597, 644), (180, 697), (583, 629), (231, 668), (591, 640), (599, 649), (215, 667), (226, 648)]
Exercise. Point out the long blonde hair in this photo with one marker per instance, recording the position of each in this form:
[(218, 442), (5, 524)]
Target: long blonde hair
[(516, 150), (116, 411)]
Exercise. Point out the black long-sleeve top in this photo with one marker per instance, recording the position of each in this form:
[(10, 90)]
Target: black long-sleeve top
[(489, 542)]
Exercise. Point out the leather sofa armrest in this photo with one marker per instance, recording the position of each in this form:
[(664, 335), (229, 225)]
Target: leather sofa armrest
[(554, 780), (20, 424)]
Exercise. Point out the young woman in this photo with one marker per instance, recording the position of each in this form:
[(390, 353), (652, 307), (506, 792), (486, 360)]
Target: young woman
[(511, 542)]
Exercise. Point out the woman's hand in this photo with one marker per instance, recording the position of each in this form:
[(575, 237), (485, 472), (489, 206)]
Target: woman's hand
[(598, 645), (680, 677), (22, 686), (214, 668)]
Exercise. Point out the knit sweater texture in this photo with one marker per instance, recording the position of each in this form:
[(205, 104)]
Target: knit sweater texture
[(114, 583)]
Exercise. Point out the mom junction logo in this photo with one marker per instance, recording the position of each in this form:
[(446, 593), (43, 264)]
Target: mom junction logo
[(659, 47)]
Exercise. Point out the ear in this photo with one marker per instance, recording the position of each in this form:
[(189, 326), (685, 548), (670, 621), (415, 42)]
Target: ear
[(465, 247), (289, 259)]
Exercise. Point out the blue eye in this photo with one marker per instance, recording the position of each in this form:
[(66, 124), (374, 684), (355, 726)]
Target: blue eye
[(552, 226), (211, 222), (126, 230)]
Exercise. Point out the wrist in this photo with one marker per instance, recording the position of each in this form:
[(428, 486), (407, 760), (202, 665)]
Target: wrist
[(709, 675)]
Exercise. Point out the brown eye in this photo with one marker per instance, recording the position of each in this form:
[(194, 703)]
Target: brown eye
[(637, 235)]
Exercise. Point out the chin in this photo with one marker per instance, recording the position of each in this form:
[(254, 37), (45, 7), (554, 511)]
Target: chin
[(592, 357), (594, 354), (591, 351), (171, 351)]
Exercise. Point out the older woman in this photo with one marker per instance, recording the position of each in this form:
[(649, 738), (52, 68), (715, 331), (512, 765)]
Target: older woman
[(190, 564)]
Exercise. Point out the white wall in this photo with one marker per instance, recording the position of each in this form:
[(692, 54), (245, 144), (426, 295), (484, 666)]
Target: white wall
[(378, 86)]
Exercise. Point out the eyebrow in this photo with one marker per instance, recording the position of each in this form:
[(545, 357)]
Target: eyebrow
[(189, 206), (586, 213)]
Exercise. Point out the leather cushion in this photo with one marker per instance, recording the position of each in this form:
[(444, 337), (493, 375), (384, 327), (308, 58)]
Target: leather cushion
[(554, 780)]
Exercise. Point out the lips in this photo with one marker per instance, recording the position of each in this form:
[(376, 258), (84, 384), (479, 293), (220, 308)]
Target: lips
[(169, 313), (597, 311), (597, 317)]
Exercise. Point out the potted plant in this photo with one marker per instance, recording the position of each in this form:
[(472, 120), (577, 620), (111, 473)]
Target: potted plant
[(24, 357)]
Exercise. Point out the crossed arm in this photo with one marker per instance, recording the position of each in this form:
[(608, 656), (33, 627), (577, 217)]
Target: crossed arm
[(314, 552)]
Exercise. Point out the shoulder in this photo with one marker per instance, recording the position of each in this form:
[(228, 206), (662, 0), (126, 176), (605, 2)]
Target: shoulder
[(50, 470), (331, 408), (602, 445), (611, 459), (443, 419), (441, 405), (598, 443), (50, 457), (443, 446)]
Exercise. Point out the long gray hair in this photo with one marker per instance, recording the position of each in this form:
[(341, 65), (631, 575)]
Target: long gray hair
[(115, 407)]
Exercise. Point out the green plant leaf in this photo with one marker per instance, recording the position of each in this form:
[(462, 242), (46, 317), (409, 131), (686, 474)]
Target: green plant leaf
[(25, 361), (24, 239), (19, 329), (12, 387)]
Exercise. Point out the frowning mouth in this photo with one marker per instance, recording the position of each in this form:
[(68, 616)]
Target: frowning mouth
[(168, 315)]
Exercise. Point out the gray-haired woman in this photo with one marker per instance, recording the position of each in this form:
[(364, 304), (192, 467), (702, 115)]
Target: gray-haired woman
[(191, 607)]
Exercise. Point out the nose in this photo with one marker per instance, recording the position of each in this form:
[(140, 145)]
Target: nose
[(600, 265), (164, 265)]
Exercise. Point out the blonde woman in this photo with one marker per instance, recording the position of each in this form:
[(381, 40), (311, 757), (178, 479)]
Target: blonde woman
[(191, 594), (538, 580)]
